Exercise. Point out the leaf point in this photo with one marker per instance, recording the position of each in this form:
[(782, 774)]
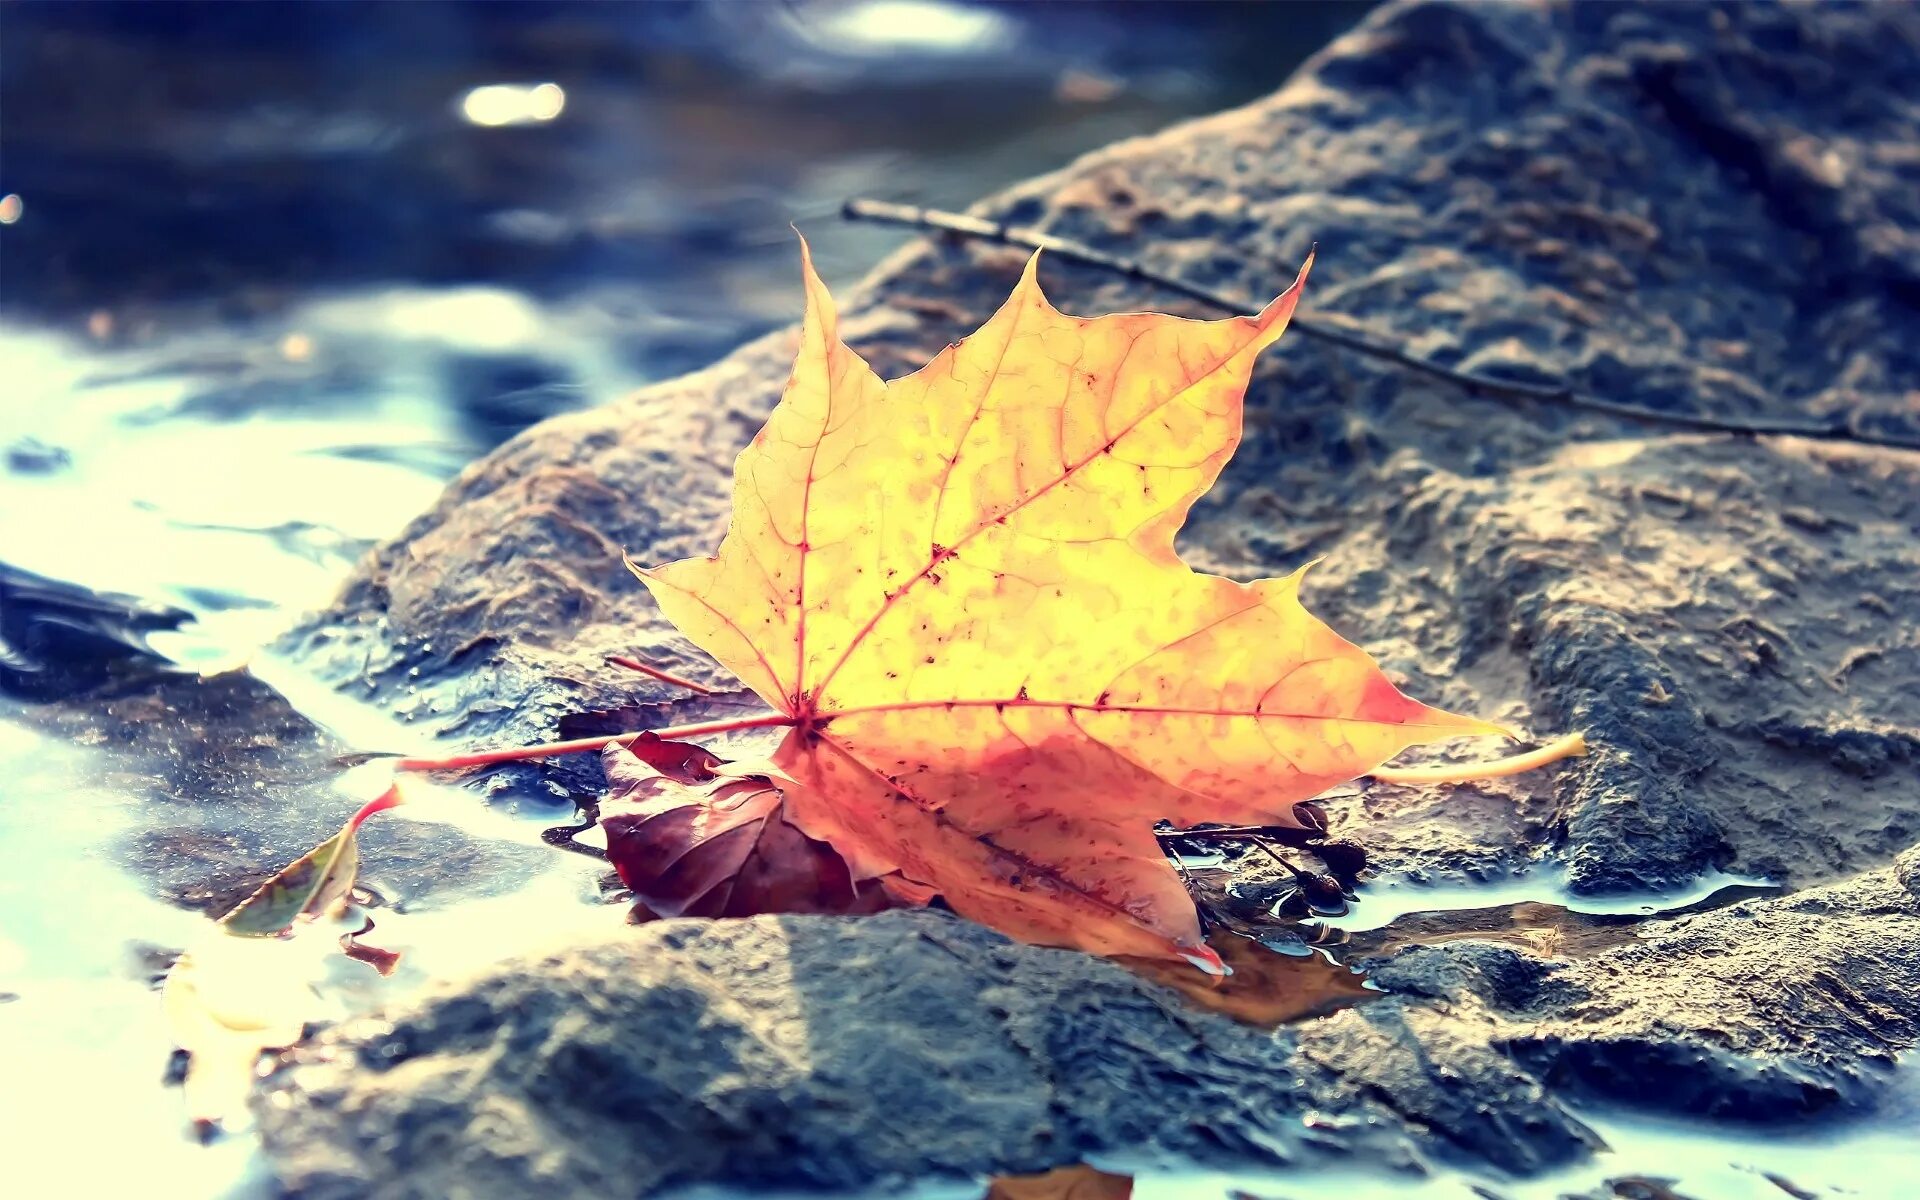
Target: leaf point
[(1207, 960)]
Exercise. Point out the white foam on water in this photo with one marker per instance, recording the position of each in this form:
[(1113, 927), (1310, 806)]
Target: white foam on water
[(85, 1042)]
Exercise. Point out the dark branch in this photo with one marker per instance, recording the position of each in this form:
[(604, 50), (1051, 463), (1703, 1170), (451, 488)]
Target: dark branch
[(936, 220)]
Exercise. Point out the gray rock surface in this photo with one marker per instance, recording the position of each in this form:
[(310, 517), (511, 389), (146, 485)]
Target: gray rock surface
[(1711, 209), (723, 1051), (1708, 209)]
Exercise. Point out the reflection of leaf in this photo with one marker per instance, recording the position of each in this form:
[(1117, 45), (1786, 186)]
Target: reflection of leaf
[(1078, 1182), (383, 961), (692, 838), (1265, 988), (227, 1001), (961, 588), (247, 987)]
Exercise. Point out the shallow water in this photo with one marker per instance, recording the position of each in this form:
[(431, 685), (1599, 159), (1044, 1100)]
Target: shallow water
[(93, 837), (1385, 901)]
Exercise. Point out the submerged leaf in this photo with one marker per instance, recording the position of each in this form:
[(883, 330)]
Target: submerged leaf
[(961, 586), (230, 999), (248, 986)]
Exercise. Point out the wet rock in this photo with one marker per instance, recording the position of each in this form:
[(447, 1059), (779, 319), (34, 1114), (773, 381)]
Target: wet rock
[(60, 639), (682, 1052), (1691, 208), (718, 1051), (1760, 1011), (232, 784), (1907, 869)]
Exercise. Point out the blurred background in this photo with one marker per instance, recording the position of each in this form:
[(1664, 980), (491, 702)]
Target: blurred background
[(271, 272)]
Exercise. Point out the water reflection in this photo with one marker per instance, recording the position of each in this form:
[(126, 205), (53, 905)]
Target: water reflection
[(1267, 987), (1078, 1182), (133, 810), (513, 104), (891, 26)]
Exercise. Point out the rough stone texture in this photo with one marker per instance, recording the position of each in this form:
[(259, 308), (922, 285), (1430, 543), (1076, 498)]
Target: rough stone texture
[(1907, 868), (1710, 209), (687, 1051)]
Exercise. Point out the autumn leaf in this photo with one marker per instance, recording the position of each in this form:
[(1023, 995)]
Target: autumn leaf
[(692, 840), (247, 987), (310, 884), (961, 590)]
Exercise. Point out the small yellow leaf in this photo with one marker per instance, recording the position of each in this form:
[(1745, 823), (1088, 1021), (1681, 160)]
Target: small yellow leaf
[(248, 986)]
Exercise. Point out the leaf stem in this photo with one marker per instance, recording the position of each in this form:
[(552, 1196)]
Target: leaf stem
[(385, 800), (634, 664), (1571, 746), (487, 758)]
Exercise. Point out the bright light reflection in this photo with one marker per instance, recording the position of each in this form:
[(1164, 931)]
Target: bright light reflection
[(11, 206), (1384, 901), (513, 103), (473, 320), (924, 25)]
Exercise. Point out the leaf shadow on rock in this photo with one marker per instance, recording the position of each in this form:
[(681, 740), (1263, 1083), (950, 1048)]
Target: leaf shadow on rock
[(827, 1052)]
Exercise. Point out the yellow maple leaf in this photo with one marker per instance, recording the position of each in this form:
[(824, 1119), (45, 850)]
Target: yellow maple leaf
[(961, 590)]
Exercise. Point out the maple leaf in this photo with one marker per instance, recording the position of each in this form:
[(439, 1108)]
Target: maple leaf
[(693, 838), (961, 590)]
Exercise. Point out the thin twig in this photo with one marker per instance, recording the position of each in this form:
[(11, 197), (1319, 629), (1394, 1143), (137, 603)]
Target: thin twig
[(1261, 844), (634, 664), (936, 220)]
